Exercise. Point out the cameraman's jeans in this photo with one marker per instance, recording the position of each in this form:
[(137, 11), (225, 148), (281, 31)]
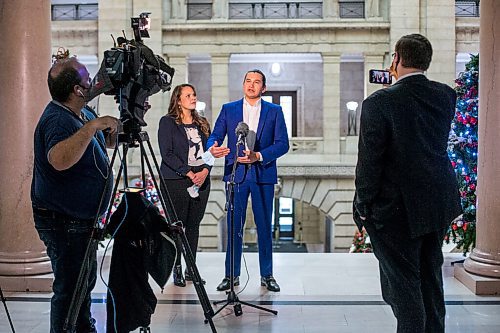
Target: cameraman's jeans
[(66, 241)]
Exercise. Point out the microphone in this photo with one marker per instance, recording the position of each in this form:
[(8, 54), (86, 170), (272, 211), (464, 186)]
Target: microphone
[(241, 131)]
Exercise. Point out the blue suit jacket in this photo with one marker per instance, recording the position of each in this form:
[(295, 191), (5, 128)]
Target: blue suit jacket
[(271, 140)]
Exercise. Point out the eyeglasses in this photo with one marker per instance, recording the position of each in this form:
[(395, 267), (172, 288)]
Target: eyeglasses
[(89, 83), (393, 54), (82, 86)]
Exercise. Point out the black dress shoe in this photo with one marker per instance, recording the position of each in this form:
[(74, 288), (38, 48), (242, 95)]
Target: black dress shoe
[(178, 278), (188, 277), (226, 285), (270, 283)]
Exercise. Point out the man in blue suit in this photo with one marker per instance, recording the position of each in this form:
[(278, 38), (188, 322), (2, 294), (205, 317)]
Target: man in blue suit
[(256, 171)]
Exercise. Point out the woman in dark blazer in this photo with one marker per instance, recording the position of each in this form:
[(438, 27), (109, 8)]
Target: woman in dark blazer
[(182, 137)]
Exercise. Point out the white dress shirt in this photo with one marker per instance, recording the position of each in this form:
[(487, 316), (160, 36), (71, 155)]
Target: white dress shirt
[(251, 115)]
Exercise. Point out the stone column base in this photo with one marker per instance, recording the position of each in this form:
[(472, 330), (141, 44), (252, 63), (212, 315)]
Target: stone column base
[(351, 146), (479, 285), (38, 283)]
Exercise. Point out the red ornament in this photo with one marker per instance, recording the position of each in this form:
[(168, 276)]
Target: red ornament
[(454, 227), (465, 226), (472, 187)]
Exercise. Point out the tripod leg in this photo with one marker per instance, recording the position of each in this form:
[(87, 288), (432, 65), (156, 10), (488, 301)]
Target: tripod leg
[(259, 307), (4, 301), (180, 235), (222, 308), (81, 287), (82, 282)]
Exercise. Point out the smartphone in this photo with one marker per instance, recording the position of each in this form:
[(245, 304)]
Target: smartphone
[(380, 76)]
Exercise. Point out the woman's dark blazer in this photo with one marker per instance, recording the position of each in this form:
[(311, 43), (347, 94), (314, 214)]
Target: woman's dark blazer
[(174, 148)]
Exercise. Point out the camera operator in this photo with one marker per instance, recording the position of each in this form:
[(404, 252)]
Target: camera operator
[(69, 177), (406, 189)]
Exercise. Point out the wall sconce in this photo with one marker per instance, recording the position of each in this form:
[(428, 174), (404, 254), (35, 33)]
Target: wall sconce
[(352, 107), (200, 107), (276, 69)]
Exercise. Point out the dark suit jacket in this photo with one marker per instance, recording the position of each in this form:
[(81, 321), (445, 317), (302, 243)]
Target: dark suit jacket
[(140, 248), (403, 171), (174, 148), (271, 139)]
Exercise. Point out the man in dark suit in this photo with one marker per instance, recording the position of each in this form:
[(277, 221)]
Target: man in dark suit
[(256, 172), (406, 190)]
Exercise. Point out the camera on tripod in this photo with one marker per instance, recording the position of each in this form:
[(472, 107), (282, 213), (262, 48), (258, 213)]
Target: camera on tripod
[(132, 72)]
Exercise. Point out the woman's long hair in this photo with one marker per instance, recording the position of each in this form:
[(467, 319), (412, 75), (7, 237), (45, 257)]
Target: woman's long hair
[(175, 111)]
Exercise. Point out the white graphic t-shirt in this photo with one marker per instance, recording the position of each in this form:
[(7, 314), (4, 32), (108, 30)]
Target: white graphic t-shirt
[(195, 151)]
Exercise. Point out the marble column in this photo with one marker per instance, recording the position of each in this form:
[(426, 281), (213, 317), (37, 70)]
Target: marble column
[(220, 83), (158, 101), (330, 10), (220, 10), (24, 62), (404, 18), (178, 10), (331, 103), (113, 18), (179, 63), (372, 8), (439, 28), (485, 258)]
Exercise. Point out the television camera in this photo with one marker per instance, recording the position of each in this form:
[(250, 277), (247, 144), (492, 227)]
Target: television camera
[(132, 72)]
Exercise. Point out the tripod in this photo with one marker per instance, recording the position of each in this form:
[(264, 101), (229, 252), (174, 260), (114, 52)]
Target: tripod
[(232, 297), (134, 139), (4, 301)]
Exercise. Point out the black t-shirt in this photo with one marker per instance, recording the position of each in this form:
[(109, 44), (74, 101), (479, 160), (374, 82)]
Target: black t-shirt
[(75, 191)]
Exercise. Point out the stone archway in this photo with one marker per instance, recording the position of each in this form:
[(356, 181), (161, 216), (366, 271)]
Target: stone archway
[(332, 197), (329, 189)]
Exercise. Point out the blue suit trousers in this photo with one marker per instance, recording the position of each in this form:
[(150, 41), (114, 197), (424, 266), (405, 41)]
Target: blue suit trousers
[(262, 206)]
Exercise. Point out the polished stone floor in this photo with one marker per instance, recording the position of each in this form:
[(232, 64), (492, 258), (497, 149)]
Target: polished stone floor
[(321, 292)]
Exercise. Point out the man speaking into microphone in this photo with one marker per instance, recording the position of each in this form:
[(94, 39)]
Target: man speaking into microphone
[(266, 139)]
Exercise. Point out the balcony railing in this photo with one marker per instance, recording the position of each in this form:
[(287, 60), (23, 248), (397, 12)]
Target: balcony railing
[(306, 145), (276, 10), (72, 12), (467, 8), (352, 9), (199, 11)]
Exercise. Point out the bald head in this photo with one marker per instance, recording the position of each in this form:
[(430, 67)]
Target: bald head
[(63, 76)]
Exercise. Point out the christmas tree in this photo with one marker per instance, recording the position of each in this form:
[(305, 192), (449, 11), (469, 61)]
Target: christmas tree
[(462, 150), (361, 243), (150, 191)]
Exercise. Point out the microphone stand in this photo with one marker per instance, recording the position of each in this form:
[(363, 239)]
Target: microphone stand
[(232, 297)]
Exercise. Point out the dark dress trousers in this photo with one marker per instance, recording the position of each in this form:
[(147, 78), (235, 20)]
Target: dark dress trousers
[(174, 148), (407, 191)]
